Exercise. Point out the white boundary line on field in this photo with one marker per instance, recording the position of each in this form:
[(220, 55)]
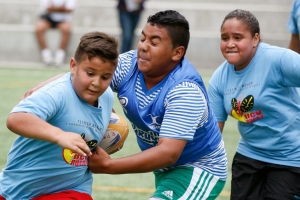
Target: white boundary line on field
[(138, 190)]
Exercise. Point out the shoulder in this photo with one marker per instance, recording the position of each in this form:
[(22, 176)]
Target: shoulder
[(58, 84), (276, 54), (186, 90), (59, 89), (268, 49)]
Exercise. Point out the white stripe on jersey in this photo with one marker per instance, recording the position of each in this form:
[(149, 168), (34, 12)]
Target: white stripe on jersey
[(213, 162)]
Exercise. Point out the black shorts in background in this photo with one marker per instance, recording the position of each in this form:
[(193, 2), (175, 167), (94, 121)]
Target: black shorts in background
[(257, 180), (53, 24)]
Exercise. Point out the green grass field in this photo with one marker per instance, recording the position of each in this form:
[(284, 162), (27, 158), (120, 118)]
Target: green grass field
[(15, 82)]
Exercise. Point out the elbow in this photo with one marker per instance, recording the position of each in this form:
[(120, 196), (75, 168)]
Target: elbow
[(10, 122), (171, 159)]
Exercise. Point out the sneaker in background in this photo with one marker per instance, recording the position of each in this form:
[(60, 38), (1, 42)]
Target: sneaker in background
[(59, 57), (47, 56)]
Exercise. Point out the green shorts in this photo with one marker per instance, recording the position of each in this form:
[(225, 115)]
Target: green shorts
[(186, 183)]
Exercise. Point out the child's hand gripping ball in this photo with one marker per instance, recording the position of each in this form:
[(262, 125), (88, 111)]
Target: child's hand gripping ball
[(115, 135)]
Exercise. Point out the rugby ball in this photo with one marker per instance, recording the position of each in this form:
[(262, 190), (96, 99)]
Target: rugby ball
[(115, 135)]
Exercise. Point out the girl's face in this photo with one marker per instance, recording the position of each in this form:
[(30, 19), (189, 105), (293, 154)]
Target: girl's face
[(237, 44)]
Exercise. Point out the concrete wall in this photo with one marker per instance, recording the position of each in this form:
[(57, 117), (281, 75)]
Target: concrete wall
[(19, 46)]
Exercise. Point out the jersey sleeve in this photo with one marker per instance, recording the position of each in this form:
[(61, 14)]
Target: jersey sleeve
[(123, 67), (42, 103), (293, 24), (215, 95), (186, 111), (44, 111), (290, 68)]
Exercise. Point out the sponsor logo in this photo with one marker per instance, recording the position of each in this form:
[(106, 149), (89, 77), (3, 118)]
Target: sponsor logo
[(241, 109), (154, 124), (168, 194)]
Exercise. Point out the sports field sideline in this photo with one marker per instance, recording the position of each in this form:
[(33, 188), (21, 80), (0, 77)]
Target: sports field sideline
[(14, 82)]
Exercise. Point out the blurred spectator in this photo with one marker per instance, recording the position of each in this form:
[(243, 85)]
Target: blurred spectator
[(129, 15), (54, 14), (294, 26)]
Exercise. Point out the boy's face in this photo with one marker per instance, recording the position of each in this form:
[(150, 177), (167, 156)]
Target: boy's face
[(90, 78), (155, 51)]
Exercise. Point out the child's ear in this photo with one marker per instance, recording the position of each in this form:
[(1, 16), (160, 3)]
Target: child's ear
[(178, 53), (73, 65)]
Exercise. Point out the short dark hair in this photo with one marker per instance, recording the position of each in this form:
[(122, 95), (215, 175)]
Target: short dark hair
[(97, 44), (247, 18), (176, 25)]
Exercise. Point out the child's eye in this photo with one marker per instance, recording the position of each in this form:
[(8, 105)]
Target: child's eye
[(105, 77), (142, 39), (90, 73)]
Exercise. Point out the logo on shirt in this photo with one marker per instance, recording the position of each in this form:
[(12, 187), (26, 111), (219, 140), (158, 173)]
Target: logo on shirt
[(154, 124), (241, 108), (76, 159), (168, 194), (123, 101)]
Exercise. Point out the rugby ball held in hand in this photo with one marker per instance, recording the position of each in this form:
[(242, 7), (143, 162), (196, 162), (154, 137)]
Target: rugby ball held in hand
[(115, 135)]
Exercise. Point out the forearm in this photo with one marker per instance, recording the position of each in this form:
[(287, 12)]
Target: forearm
[(31, 126), (165, 154), (145, 161), (295, 43)]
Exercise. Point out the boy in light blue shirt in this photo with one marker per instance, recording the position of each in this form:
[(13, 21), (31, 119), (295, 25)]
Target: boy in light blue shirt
[(60, 124)]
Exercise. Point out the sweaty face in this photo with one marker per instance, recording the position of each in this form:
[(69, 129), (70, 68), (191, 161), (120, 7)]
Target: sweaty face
[(155, 51), (237, 44), (91, 78)]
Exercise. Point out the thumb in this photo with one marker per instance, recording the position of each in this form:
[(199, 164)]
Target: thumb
[(97, 150)]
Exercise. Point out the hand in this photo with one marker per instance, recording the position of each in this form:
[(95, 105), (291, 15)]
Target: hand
[(74, 142), (98, 161)]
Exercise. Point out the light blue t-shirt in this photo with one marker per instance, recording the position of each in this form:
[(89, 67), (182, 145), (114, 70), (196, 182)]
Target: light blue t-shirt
[(265, 99), (293, 24), (36, 167)]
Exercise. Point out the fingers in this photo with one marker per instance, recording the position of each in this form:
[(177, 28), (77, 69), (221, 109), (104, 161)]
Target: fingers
[(27, 94), (83, 148), (74, 142)]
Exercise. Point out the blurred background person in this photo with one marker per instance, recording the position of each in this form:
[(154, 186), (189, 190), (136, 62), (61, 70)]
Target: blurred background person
[(129, 15), (294, 26), (54, 14)]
